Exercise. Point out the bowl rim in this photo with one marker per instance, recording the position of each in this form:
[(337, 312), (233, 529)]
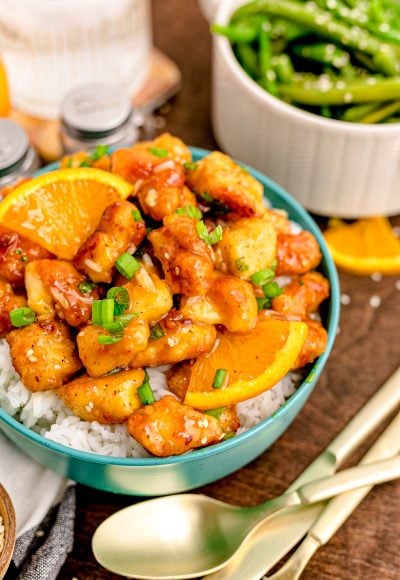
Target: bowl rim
[(10, 529), (224, 11), (281, 412)]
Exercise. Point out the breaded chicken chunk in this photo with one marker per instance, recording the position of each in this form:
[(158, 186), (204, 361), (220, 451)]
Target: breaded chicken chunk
[(230, 301), (247, 246), (183, 340), (8, 302), (100, 359), (54, 288), (302, 296), (297, 253), (315, 344), (117, 232), (149, 296), (44, 355), (184, 256), (168, 427), (15, 253), (218, 176), (107, 400)]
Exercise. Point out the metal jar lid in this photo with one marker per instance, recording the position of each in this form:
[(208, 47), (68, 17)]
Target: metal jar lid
[(14, 146), (95, 111)]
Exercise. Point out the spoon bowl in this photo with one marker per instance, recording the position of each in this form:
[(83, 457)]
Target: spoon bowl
[(190, 535)]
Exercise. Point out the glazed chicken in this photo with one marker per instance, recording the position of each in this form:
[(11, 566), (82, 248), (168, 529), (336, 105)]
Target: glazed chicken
[(15, 253), (117, 232), (54, 287), (107, 400), (225, 182), (186, 267), (44, 355), (169, 427), (185, 257)]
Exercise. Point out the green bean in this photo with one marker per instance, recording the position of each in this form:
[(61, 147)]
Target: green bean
[(248, 58), (326, 111), (357, 112), (267, 77), (283, 68), (341, 92), (323, 53), (243, 30), (384, 112), (325, 24)]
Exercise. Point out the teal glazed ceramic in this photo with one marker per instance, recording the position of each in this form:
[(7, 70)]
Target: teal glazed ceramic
[(153, 476)]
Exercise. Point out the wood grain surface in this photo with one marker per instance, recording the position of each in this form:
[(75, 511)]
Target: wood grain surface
[(366, 352)]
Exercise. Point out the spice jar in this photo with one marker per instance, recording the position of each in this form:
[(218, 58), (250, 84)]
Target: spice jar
[(97, 114), (17, 156)]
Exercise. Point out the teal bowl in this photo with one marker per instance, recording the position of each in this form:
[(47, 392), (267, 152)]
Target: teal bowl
[(152, 476)]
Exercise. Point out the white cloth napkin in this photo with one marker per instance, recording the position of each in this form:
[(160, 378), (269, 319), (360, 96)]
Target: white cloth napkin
[(44, 503)]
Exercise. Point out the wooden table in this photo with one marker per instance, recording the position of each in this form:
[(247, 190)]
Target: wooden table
[(366, 351)]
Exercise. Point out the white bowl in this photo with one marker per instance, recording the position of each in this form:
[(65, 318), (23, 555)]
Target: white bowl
[(332, 167)]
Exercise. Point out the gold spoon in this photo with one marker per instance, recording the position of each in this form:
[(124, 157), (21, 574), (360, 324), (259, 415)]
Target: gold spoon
[(190, 535)]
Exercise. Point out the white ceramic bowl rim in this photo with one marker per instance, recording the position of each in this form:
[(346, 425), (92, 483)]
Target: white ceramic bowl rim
[(224, 12)]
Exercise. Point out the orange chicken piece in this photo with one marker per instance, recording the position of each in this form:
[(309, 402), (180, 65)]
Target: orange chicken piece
[(184, 256), (315, 344), (302, 296), (15, 253), (168, 427), (108, 400), (8, 302), (229, 184), (297, 253), (44, 355), (100, 359), (117, 232), (230, 301), (53, 289), (149, 296)]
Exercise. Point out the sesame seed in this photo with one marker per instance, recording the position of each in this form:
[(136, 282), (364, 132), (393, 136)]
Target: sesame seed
[(375, 301), (345, 299), (338, 330), (396, 231), (347, 97), (376, 276), (166, 256), (39, 533), (57, 367), (203, 440), (397, 284), (177, 271)]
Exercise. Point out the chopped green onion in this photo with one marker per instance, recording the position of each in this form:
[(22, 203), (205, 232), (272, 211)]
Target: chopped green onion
[(145, 392), (156, 332), (272, 290), (206, 196), (70, 162), (99, 152), (263, 303), (84, 163), (219, 378), (86, 287), (241, 266), (137, 216), (102, 311), (227, 436), (127, 265), (18, 251), (262, 277), (106, 339), (190, 211), (159, 151), (274, 265), (115, 327), (215, 412), (22, 316), (24, 259), (190, 166), (120, 295), (210, 237), (149, 230), (125, 319)]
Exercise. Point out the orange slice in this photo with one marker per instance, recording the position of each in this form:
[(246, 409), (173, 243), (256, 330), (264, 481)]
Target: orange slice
[(4, 97), (364, 247), (59, 210), (254, 361)]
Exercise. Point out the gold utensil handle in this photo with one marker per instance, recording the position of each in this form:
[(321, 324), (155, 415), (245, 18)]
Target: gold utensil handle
[(371, 474), (339, 508), (379, 406)]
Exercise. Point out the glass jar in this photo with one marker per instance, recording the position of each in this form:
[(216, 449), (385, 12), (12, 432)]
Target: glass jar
[(17, 156), (97, 114)]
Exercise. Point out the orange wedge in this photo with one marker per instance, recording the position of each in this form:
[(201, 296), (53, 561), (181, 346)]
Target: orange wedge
[(61, 209), (254, 361), (364, 247)]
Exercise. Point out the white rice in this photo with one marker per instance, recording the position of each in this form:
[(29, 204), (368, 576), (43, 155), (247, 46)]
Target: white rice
[(45, 413)]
